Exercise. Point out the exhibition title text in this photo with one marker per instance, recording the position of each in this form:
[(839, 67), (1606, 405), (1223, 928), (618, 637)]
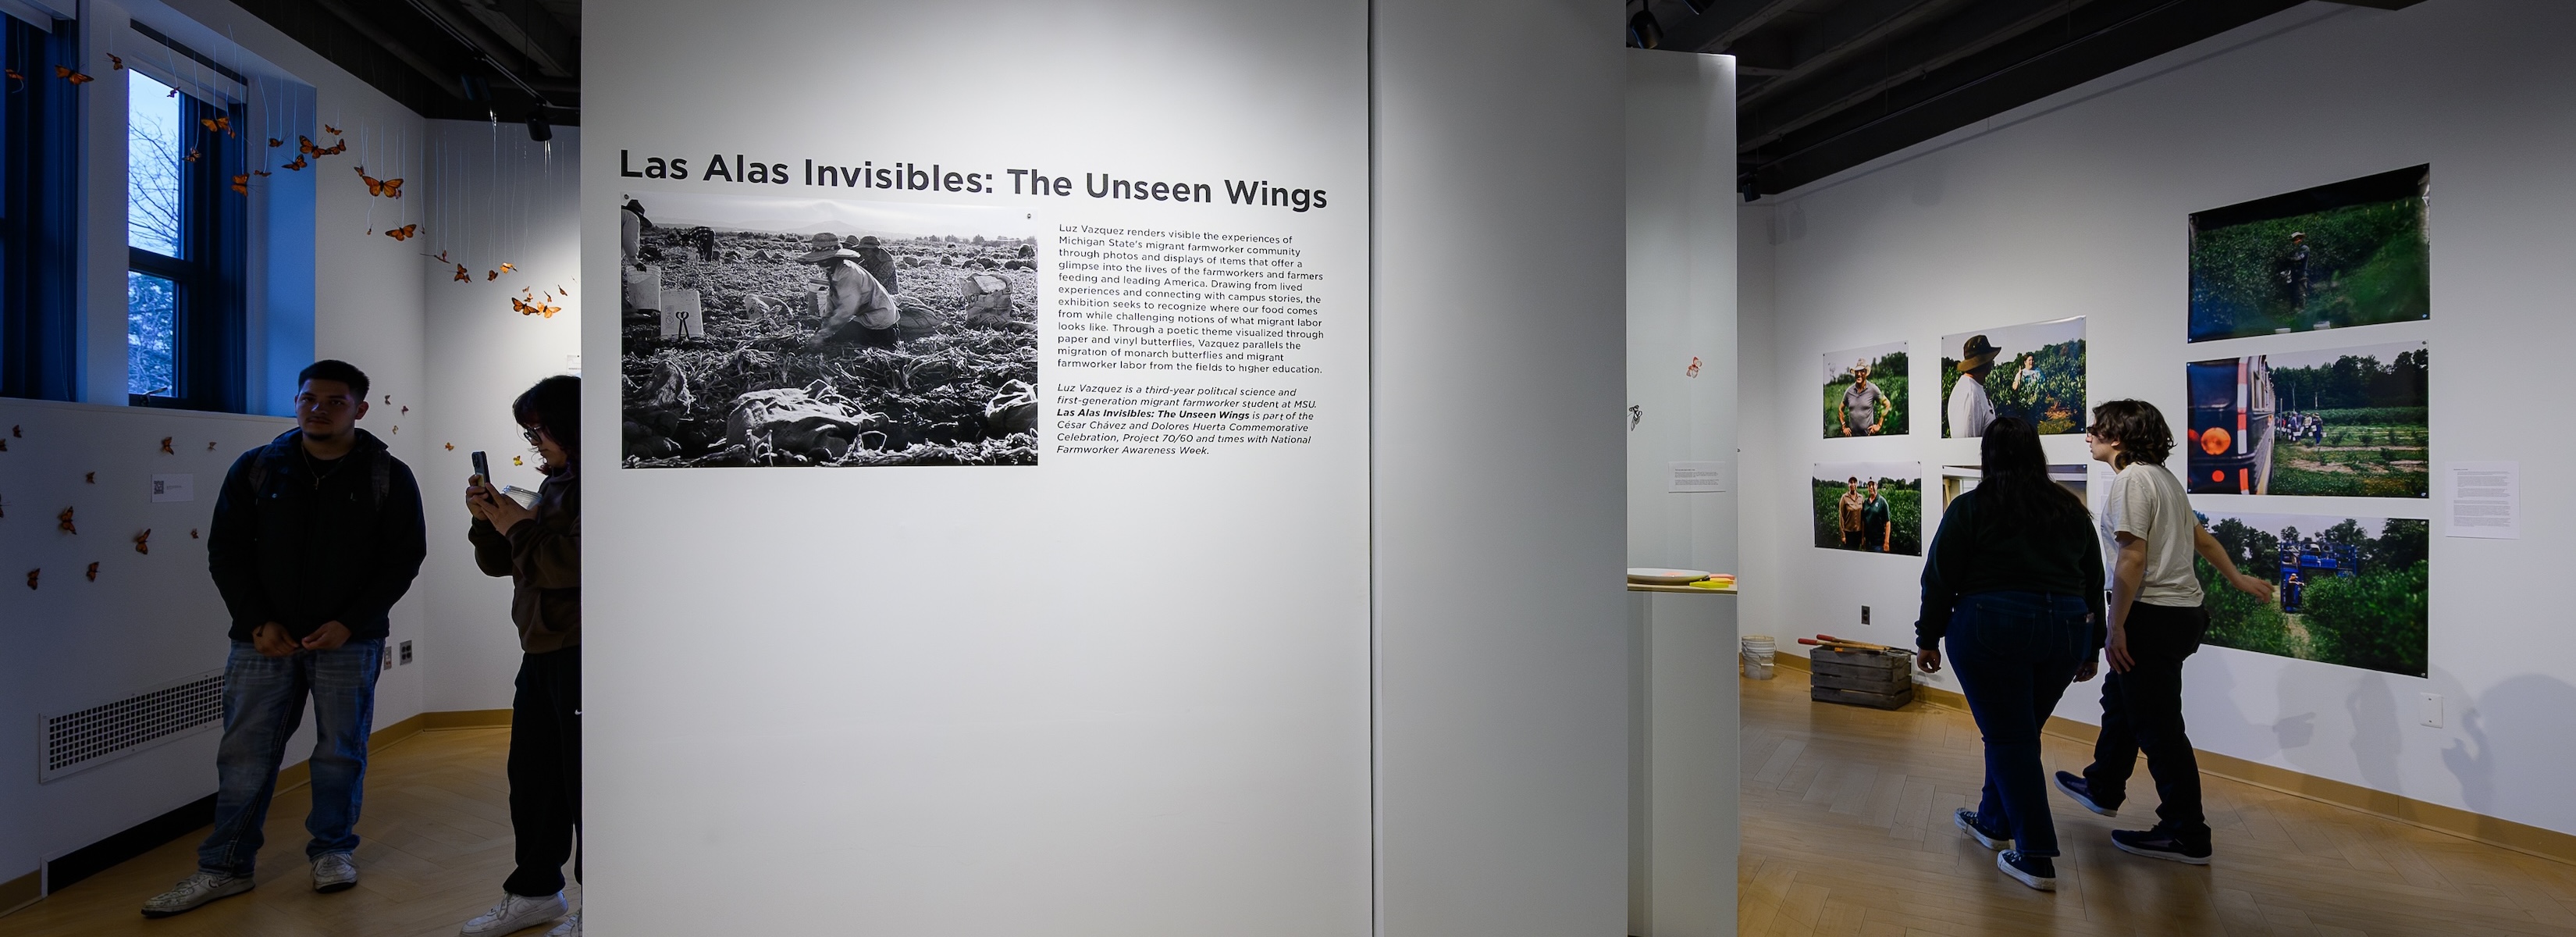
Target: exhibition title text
[(915, 177)]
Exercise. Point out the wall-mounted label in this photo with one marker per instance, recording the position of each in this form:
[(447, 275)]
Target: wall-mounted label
[(1702, 476), (174, 488), (2486, 500)]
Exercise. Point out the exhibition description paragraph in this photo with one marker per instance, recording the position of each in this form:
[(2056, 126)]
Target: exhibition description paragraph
[(1172, 342)]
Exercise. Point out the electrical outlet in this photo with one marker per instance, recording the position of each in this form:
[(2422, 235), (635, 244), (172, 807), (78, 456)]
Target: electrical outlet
[(2431, 710), (406, 652), (1864, 614)]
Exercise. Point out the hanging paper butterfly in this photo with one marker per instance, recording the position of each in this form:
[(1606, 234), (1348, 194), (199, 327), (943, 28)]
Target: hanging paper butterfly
[(91, 478), (114, 62), (143, 542), (505, 268), (491, 275), (63, 522), (93, 572), (31, 577), (274, 143), (241, 183), (12, 74), (389, 188), (298, 164), (65, 73), (334, 131), (212, 124), (193, 155), (442, 257), (462, 276), (404, 233), (451, 447), (165, 446), (262, 173)]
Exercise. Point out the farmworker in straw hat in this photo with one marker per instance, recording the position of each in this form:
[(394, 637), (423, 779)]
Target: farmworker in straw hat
[(877, 261), (1865, 407), (856, 307), (1970, 410)]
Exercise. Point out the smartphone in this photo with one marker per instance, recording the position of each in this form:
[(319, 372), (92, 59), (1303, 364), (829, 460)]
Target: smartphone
[(482, 466)]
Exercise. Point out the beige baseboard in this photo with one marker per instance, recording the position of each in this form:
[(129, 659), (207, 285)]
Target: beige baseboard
[(300, 773), (21, 891), (2505, 834)]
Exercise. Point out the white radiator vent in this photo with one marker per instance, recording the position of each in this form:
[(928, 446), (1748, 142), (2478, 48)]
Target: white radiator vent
[(87, 738)]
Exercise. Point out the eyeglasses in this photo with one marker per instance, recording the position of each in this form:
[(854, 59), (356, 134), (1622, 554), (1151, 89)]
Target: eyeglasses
[(531, 435)]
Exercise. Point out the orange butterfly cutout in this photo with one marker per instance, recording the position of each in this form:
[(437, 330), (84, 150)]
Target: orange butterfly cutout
[(262, 173), (333, 150), (404, 233), (304, 144), (31, 577), (165, 446), (442, 257), (462, 276), (451, 447), (334, 131), (389, 188), (114, 62), (297, 164), (515, 460), (505, 268), (491, 275), (274, 142), (143, 542), (538, 308), (93, 572), (224, 123), (63, 522), (241, 184), (193, 155), (65, 73), (13, 74)]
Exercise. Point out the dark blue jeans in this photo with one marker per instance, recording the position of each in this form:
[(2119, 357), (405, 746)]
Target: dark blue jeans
[(263, 705), (2015, 652)]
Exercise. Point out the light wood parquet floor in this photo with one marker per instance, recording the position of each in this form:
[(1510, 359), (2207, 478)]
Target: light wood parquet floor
[(1847, 831), (435, 846)]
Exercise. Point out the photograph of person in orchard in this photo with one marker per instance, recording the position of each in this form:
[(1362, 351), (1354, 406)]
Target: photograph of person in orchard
[(1869, 507), (2345, 422), (2035, 372), (1865, 392), (2350, 590), (2351, 253), (765, 331)]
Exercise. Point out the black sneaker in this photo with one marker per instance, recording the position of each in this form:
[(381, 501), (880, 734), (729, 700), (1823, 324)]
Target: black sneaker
[(2077, 788), (1966, 820), (2159, 844), (2035, 872)]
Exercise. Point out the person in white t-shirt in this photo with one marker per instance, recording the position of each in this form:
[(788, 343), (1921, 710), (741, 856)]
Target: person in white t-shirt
[(2149, 535), (1969, 409)]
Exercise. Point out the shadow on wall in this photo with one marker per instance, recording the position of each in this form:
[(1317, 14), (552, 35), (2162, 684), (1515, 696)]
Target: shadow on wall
[(2513, 753)]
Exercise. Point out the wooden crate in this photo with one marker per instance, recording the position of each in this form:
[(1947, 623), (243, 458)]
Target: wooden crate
[(1861, 678)]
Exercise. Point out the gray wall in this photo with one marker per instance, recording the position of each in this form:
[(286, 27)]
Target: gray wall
[(1499, 464)]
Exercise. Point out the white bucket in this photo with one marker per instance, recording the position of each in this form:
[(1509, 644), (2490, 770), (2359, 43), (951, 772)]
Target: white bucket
[(1757, 656)]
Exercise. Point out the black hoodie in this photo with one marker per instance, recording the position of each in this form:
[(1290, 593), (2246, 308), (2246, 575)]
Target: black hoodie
[(298, 550)]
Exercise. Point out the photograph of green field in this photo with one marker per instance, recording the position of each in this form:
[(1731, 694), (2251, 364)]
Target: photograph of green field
[(1865, 391), (2035, 372), (2351, 590), (2356, 252), (1869, 507), (2344, 422)]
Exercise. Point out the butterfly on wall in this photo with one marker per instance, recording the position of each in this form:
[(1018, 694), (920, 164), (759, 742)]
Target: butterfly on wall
[(114, 62), (298, 164), (241, 183), (389, 188), (91, 478), (451, 447), (65, 73), (462, 276), (165, 446), (143, 542), (516, 460), (404, 233), (93, 572), (63, 522), (31, 577)]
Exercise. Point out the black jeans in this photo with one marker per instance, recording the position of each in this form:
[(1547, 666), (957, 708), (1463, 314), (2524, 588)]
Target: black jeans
[(2142, 711), (2015, 652), (545, 771)]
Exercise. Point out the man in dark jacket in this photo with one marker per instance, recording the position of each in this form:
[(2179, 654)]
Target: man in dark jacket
[(315, 536)]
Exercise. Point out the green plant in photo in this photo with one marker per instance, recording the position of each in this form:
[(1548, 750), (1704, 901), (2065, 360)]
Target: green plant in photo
[(1888, 373)]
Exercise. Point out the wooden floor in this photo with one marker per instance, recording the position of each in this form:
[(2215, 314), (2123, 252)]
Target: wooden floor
[(1847, 831), (436, 845)]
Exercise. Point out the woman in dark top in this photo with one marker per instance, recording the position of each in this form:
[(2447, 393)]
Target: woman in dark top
[(2014, 581), (539, 548)]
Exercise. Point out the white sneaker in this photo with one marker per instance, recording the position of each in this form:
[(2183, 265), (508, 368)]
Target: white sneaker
[(515, 913), (335, 871), (194, 892), (571, 927)]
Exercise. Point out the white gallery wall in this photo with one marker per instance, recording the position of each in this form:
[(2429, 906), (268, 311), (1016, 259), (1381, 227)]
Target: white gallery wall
[(2077, 205)]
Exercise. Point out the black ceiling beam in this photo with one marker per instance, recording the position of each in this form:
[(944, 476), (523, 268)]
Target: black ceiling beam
[(532, 31), (1902, 60), (442, 76), (352, 50), (1722, 22), (1848, 30), (2099, 38), (397, 50)]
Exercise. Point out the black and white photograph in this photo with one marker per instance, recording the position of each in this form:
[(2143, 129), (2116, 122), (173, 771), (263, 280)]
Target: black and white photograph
[(763, 331)]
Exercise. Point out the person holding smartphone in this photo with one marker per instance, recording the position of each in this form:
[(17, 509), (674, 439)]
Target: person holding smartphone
[(539, 548)]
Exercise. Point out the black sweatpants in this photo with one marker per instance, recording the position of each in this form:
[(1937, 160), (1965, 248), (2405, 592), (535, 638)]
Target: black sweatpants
[(2142, 711), (545, 770)]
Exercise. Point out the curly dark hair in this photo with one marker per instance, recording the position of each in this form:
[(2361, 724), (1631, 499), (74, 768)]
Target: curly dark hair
[(2138, 427)]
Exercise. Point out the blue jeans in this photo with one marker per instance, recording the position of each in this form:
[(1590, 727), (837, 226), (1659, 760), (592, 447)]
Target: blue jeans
[(2015, 652), (263, 705)]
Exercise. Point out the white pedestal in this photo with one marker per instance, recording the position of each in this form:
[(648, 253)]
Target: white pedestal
[(1685, 733)]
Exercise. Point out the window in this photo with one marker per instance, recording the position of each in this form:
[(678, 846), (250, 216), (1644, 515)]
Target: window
[(39, 214), (183, 226)]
